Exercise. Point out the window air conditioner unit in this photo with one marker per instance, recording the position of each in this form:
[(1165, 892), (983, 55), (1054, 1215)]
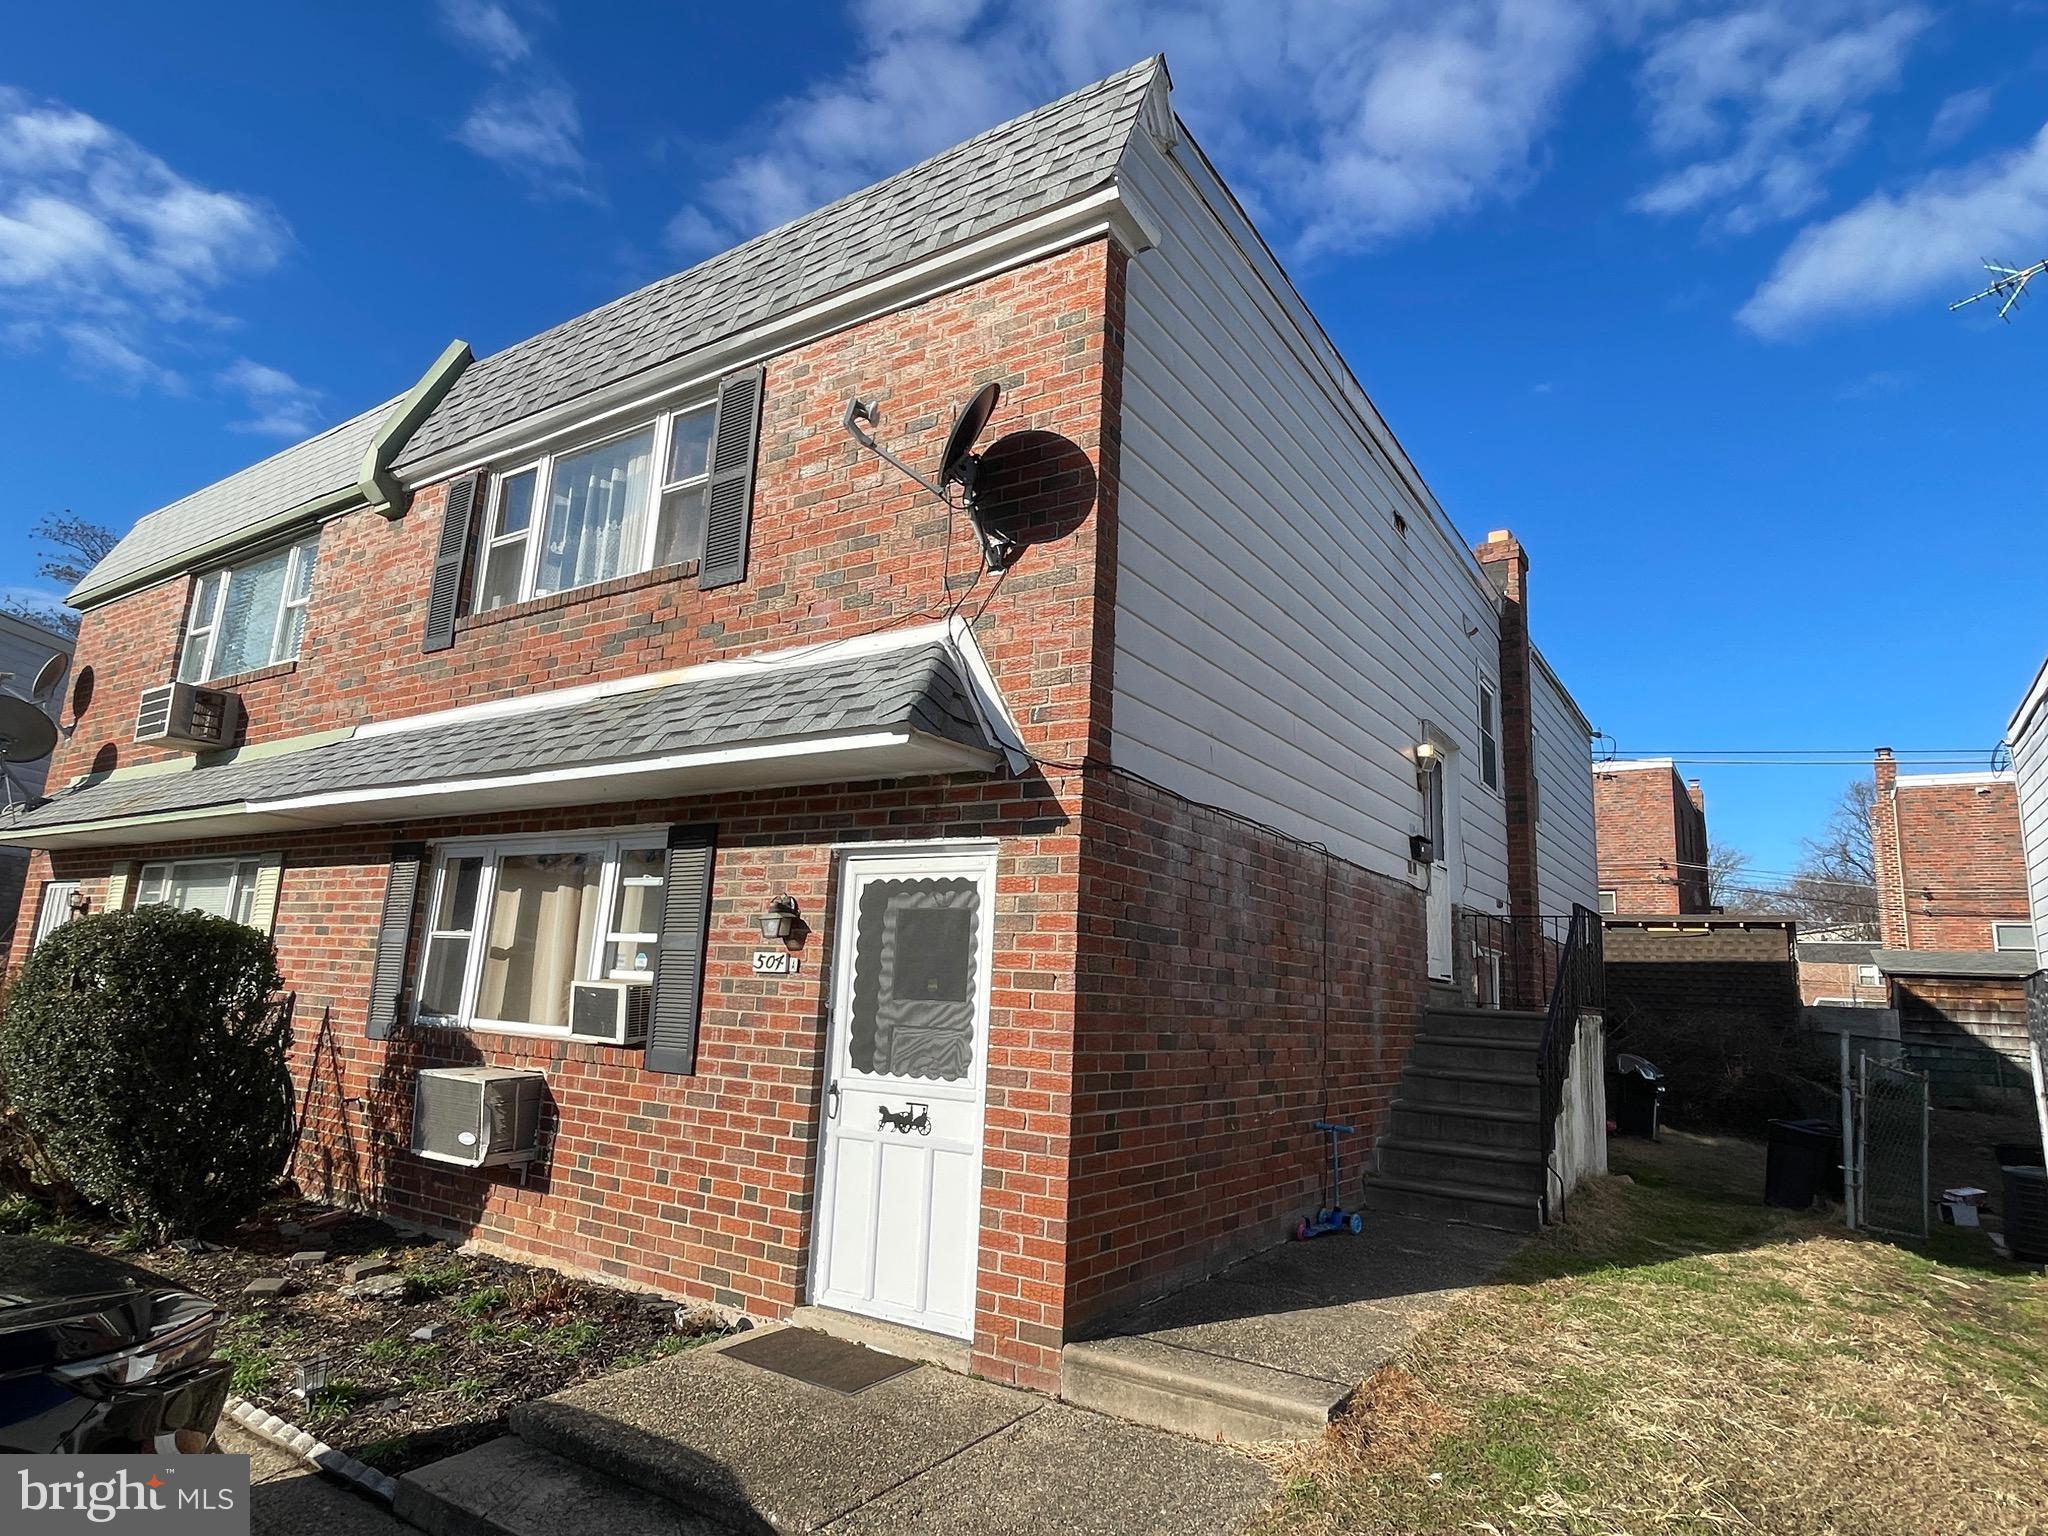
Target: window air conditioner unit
[(476, 1117), (188, 716), (612, 1011)]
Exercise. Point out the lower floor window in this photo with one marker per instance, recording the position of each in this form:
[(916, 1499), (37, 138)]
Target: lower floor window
[(221, 887), (514, 924)]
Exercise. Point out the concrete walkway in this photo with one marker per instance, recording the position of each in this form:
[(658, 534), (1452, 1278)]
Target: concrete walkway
[(1272, 1347), (701, 1442)]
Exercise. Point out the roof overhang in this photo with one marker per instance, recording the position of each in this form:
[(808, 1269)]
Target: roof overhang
[(762, 765)]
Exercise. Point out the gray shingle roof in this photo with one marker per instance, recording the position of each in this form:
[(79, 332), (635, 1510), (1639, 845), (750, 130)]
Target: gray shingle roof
[(2002, 963), (1835, 952), (291, 478), (918, 688), (1007, 173)]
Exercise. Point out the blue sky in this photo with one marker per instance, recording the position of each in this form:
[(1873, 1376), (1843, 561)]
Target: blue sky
[(1659, 286)]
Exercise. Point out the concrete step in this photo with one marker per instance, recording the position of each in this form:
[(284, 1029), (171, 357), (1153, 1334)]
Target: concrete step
[(1473, 1125), (1518, 1170), (1468, 1205), (1449, 1052), (1490, 1023), (1211, 1397), (890, 1338), (1437, 1086), (506, 1487)]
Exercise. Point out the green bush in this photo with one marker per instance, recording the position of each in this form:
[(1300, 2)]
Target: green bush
[(146, 1052)]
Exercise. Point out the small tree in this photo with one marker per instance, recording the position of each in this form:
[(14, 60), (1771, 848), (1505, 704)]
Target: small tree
[(146, 1052)]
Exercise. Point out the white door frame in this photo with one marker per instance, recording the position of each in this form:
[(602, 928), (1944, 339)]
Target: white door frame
[(976, 860), (1444, 857)]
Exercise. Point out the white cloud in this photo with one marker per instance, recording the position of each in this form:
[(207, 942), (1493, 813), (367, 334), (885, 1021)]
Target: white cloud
[(104, 248), (486, 30), (1955, 117), (279, 405), (527, 120), (1764, 100), (1894, 248), (1357, 124)]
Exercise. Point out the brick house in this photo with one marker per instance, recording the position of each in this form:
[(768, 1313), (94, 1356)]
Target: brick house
[(1652, 831), (1957, 940), (999, 934)]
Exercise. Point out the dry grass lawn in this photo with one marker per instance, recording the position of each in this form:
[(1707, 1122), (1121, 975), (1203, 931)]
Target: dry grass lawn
[(1678, 1358)]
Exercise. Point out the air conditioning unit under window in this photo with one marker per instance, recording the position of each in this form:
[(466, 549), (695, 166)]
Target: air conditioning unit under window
[(478, 1117), (188, 716), (612, 1011)]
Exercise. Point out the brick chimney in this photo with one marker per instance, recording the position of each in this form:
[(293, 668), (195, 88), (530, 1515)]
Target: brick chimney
[(1506, 565), (1893, 928), (1696, 795)]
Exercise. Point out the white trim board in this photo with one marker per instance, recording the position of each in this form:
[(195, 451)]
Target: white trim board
[(1929, 780)]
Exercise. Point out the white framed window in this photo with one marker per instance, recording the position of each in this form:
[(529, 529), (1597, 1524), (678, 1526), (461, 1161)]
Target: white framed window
[(53, 909), (1834, 1002), (248, 615), (222, 887), (1866, 976), (626, 502), (514, 923), (1489, 733), (2012, 936), (1607, 902)]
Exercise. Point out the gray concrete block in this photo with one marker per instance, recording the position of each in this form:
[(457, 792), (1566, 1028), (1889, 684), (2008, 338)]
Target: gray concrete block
[(267, 1289), (506, 1487), (358, 1270), (1209, 1397), (305, 1258)]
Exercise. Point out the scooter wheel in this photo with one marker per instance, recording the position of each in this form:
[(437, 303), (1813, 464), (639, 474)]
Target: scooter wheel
[(1301, 1230), (1357, 1223)]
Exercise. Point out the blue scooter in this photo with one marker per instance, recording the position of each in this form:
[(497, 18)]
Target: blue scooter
[(1332, 1217)]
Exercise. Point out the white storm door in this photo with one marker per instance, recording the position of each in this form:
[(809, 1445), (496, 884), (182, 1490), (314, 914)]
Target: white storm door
[(1440, 785), (899, 1210)]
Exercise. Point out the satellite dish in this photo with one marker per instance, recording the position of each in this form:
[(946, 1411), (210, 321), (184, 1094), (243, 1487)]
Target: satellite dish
[(956, 464), (48, 676), (27, 735)]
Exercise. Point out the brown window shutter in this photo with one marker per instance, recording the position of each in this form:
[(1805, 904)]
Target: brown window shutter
[(394, 938), (677, 1007), (457, 513), (729, 493)]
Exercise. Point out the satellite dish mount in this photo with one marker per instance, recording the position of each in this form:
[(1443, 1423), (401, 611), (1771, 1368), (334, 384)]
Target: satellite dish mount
[(959, 465)]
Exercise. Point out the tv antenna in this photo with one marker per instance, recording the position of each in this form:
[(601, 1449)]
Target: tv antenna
[(2008, 285), (959, 465)]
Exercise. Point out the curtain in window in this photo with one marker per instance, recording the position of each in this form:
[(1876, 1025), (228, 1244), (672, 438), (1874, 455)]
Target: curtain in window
[(544, 917), (596, 506)]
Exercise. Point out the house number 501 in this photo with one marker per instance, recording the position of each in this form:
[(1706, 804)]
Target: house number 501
[(776, 962)]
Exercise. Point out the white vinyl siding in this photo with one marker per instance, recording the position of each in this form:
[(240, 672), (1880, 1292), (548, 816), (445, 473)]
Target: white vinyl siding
[(1280, 644), (2030, 768)]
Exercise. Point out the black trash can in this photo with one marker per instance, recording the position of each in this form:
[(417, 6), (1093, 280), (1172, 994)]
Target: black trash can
[(1638, 1097), (1804, 1162), (2026, 1213)]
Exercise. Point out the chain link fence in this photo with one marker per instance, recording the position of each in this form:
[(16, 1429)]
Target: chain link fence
[(1888, 1160)]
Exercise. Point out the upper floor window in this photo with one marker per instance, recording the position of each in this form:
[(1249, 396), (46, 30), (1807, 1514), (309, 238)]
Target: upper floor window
[(2012, 935), (627, 503), (249, 615), (1489, 736), (1607, 902)]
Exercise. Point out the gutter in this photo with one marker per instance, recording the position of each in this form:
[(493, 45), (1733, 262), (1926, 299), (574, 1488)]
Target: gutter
[(382, 491)]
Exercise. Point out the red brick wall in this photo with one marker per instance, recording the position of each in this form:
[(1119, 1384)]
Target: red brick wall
[(1203, 1053), (701, 1186), (1652, 841), (1949, 862), (1819, 979)]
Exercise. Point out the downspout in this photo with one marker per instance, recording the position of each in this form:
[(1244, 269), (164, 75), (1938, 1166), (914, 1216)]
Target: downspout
[(382, 490)]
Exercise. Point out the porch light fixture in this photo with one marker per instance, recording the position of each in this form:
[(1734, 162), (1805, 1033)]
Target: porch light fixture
[(780, 921), (1425, 754)]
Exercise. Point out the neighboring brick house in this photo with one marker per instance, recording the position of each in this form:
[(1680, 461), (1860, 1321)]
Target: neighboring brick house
[(1957, 936), (1652, 828), (1841, 973), (27, 648), (579, 671)]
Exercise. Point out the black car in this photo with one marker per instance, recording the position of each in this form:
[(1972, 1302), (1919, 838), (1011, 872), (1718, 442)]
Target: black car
[(100, 1356)]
